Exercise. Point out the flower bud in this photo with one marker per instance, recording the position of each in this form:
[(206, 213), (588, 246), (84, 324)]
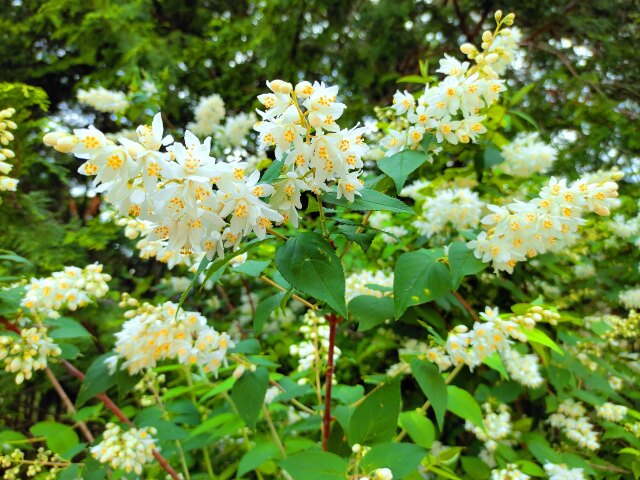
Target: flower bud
[(467, 48), (508, 20), (66, 143), (491, 58), (237, 373), (486, 36), (498, 15), (52, 138), (460, 329)]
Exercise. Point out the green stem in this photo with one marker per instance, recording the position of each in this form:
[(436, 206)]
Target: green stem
[(205, 451), (274, 432), (322, 217)]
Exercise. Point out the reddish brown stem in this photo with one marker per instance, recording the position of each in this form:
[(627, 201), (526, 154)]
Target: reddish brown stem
[(104, 399), (326, 419), (466, 306)]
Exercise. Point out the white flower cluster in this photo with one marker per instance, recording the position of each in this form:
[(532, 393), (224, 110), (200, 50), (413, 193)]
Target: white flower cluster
[(612, 412), (625, 228), (584, 270), (128, 450), (415, 189), (524, 369), (450, 109), (571, 418), (360, 283), (507, 46), (452, 209), (384, 221), (301, 123), (209, 113), (28, 352), (497, 426), (630, 298), (7, 184), (70, 288), (103, 100), (154, 333), (562, 472), (548, 223), (235, 129), (315, 330), (379, 474), (511, 472), (526, 155)]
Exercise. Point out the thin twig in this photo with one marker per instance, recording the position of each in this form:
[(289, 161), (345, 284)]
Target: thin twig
[(466, 306), (69, 404), (274, 432), (294, 296)]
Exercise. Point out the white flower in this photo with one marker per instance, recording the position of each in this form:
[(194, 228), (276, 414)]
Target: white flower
[(103, 100), (562, 472), (509, 473), (128, 450), (497, 426), (403, 102), (630, 298), (209, 112), (526, 155), (612, 412), (360, 283), (452, 209), (323, 108), (28, 352)]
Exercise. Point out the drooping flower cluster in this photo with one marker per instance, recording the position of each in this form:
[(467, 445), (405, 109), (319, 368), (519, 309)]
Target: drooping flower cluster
[(625, 228), (550, 222), (571, 418), (27, 352), (612, 412), (128, 450), (209, 113), (562, 472), (630, 298), (526, 155), (524, 369), (451, 209), (6, 124), (235, 129), (70, 289), (497, 426), (301, 123), (360, 283), (450, 110), (511, 472), (315, 345), (155, 333), (103, 100), (507, 46)]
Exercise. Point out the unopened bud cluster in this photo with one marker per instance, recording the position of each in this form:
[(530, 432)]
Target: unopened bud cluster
[(6, 125), (27, 352), (45, 466), (128, 450)]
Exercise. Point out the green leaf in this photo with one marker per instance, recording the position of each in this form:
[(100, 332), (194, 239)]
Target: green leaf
[(264, 310), (315, 465), (462, 262), (432, 385), (412, 79), (536, 335), (401, 458), (419, 278), (419, 428), (97, 380), (375, 419), (370, 200), (402, 164), (257, 456), (154, 417), (67, 328), (475, 468), (60, 438), (310, 265), (9, 436), (495, 361), (253, 268), (10, 300), (248, 394), (526, 117), (461, 403), (370, 311), (517, 97), (492, 156), (272, 172)]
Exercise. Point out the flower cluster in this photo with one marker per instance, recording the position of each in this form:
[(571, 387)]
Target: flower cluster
[(630, 298), (27, 352), (154, 333), (6, 183), (315, 344), (385, 221), (209, 113), (511, 472), (526, 155), (612, 412), (524, 369), (360, 283), (562, 472), (450, 109), (235, 129), (103, 100), (497, 426), (46, 465), (452, 209), (70, 288), (507, 47), (128, 450), (571, 418), (550, 222), (379, 474), (301, 123)]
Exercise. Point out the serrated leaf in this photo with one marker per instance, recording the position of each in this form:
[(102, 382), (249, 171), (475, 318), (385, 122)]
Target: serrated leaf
[(257, 456), (401, 458), (264, 310), (67, 328), (253, 268), (248, 395), (315, 465), (402, 164), (61, 438), (310, 265), (370, 311), (375, 419), (370, 200), (462, 262)]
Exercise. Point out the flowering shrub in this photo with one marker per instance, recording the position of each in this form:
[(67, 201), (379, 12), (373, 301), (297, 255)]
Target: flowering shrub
[(309, 314)]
